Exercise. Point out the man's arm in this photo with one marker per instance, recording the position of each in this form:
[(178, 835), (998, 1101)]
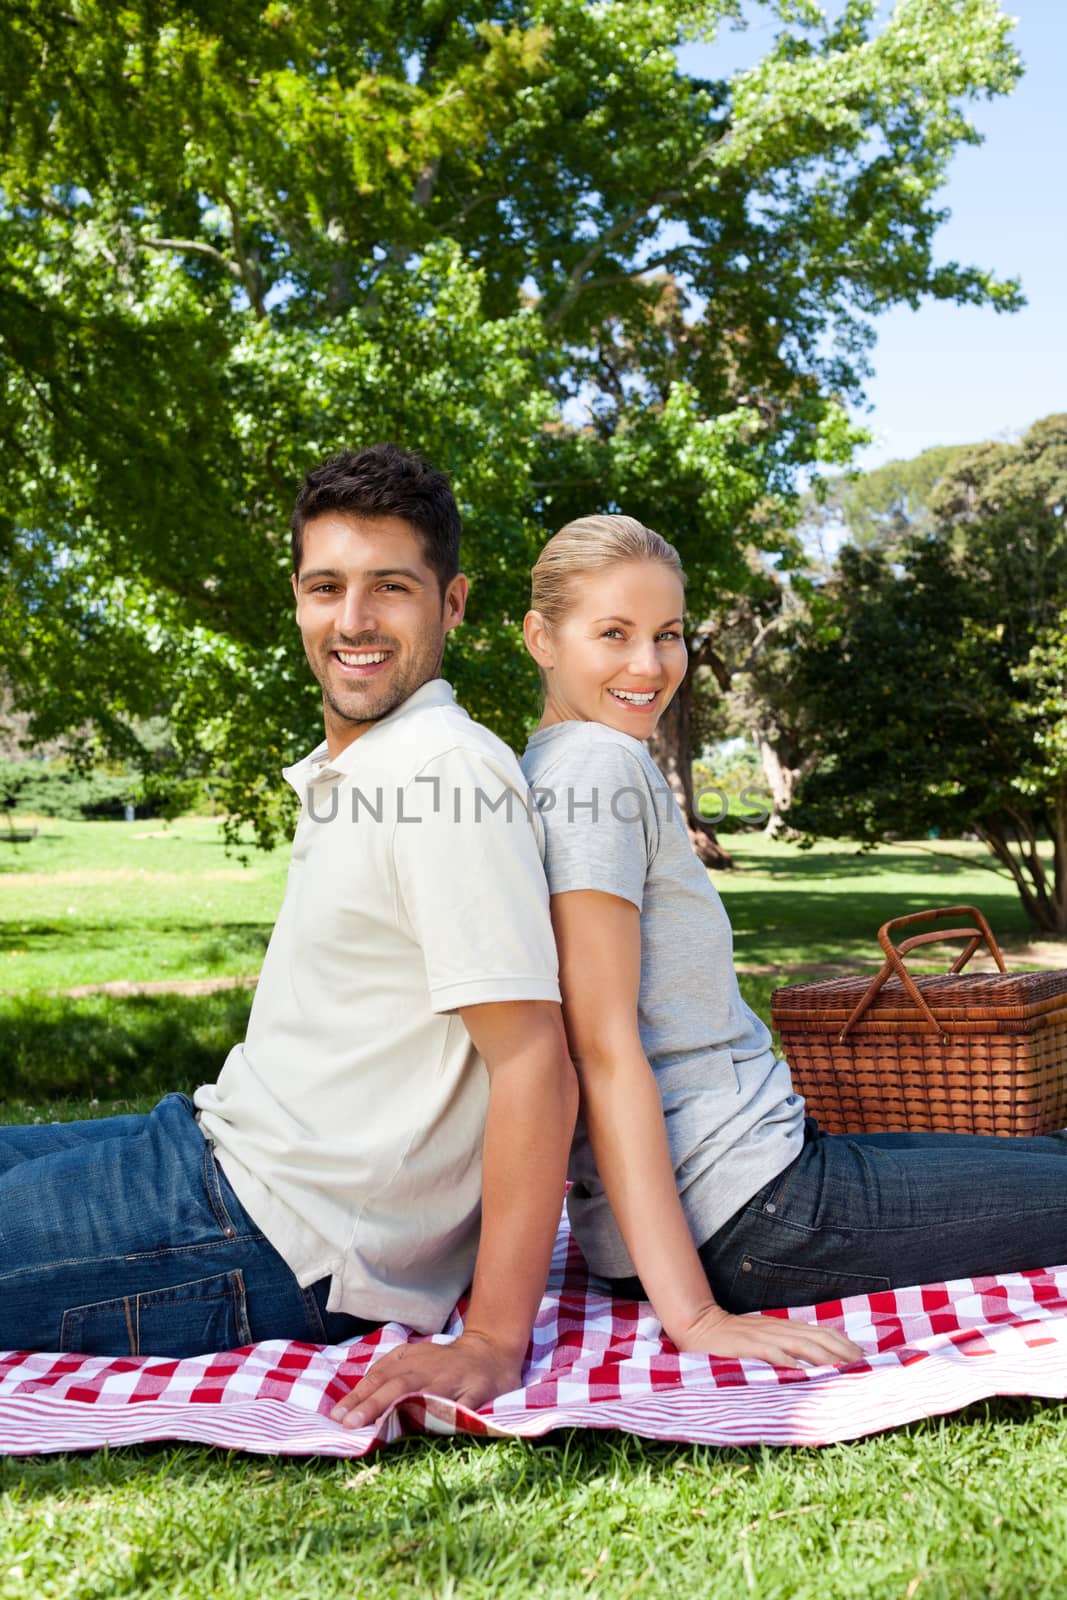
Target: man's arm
[(533, 1101)]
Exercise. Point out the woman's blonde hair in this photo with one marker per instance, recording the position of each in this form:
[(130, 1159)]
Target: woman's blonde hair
[(589, 544)]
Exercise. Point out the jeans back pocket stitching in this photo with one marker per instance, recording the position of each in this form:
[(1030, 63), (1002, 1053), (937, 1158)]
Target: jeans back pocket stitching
[(794, 1276), (314, 1316), (214, 1190)]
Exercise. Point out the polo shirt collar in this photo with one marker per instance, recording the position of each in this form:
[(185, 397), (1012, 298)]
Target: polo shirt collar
[(316, 765)]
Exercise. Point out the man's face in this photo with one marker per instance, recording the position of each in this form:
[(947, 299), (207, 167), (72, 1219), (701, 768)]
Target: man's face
[(372, 617)]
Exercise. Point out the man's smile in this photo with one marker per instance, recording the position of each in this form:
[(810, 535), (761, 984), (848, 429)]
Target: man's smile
[(361, 663)]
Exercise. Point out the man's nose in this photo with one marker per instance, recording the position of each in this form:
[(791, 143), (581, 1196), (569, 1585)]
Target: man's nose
[(357, 613)]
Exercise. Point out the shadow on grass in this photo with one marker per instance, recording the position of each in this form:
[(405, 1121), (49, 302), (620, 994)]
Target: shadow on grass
[(100, 1047), (798, 923), (851, 862), (37, 937)]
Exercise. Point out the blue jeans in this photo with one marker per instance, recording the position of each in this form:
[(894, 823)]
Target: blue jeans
[(122, 1236), (856, 1213)]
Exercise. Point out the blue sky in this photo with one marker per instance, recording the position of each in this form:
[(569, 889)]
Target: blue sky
[(949, 374)]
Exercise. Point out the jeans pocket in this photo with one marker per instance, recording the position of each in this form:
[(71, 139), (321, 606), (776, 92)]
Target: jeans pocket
[(185, 1319), (762, 1285)]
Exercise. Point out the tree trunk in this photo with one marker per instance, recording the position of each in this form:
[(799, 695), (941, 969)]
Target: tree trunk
[(670, 749), (1059, 858), (783, 768), (1047, 911)]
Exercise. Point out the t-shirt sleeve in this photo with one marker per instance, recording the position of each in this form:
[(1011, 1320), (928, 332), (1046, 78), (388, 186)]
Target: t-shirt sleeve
[(467, 856), (600, 819)]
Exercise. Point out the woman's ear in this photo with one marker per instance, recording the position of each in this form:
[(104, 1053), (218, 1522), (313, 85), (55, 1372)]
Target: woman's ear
[(538, 640)]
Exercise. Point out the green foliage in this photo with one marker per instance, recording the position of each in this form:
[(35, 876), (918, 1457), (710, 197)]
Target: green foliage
[(890, 503), (235, 238), (931, 681), (48, 790), (61, 789)]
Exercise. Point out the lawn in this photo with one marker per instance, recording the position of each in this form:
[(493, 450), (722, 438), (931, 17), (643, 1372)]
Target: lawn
[(963, 1506)]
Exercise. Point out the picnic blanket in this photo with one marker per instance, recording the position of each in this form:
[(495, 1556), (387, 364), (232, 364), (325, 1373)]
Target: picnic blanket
[(594, 1362)]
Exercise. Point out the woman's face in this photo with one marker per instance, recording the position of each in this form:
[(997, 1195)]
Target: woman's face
[(619, 654)]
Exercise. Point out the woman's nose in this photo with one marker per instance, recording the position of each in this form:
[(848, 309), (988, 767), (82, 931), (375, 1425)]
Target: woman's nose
[(644, 659)]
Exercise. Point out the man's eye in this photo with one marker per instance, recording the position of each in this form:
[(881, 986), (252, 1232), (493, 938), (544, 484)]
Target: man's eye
[(394, 588)]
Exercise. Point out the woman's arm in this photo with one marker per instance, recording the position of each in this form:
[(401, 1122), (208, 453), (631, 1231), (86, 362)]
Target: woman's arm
[(599, 941)]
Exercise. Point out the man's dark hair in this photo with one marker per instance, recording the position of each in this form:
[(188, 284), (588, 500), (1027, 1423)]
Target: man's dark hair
[(384, 481)]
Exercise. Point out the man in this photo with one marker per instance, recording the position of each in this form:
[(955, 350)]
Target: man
[(335, 1175)]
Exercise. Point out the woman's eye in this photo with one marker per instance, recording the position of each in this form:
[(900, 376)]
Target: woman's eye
[(612, 633), (671, 633)]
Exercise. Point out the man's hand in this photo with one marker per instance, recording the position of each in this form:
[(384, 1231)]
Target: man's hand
[(533, 1097), (715, 1332), (471, 1370)]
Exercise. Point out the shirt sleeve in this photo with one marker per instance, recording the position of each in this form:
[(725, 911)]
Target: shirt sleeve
[(467, 855), (600, 819)]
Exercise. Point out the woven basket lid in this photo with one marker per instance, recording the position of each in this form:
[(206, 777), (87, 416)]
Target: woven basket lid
[(962, 997)]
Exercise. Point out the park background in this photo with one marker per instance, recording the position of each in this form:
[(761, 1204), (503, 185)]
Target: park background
[(518, 238)]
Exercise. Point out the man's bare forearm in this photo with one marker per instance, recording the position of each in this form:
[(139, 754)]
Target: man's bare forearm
[(533, 1099)]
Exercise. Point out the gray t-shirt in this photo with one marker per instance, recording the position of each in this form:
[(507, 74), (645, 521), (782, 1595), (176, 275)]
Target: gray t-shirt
[(733, 1121)]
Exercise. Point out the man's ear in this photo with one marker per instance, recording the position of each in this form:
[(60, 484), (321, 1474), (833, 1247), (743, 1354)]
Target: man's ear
[(538, 639), (455, 602), (296, 585)]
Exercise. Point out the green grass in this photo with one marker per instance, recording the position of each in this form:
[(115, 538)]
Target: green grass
[(826, 904), (96, 902), (964, 1506), (101, 902), (101, 1047)]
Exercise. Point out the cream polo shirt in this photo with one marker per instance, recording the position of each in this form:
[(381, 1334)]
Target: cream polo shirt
[(350, 1121)]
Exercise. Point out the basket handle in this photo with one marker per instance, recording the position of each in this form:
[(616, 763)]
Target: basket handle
[(894, 954)]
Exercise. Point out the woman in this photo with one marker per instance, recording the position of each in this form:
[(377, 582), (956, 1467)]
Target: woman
[(696, 1178)]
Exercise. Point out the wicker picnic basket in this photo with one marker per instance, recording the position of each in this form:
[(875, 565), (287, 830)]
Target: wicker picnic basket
[(957, 1053)]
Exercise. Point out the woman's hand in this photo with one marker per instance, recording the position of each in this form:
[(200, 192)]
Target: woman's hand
[(715, 1332)]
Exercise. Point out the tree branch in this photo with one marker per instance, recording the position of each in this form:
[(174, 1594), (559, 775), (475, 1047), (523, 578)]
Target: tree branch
[(943, 855), (242, 271), (427, 182), (1028, 850), (1001, 850), (464, 211), (771, 626), (704, 654), (661, 197), (575, 286), (195, 247), (251, 277)]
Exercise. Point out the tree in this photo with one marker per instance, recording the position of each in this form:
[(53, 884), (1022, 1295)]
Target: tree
[(884, 506), (933, 681), (236, 237), (755, 641)]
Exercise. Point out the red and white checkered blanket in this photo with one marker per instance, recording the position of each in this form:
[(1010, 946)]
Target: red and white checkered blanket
[(594, 1362)]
